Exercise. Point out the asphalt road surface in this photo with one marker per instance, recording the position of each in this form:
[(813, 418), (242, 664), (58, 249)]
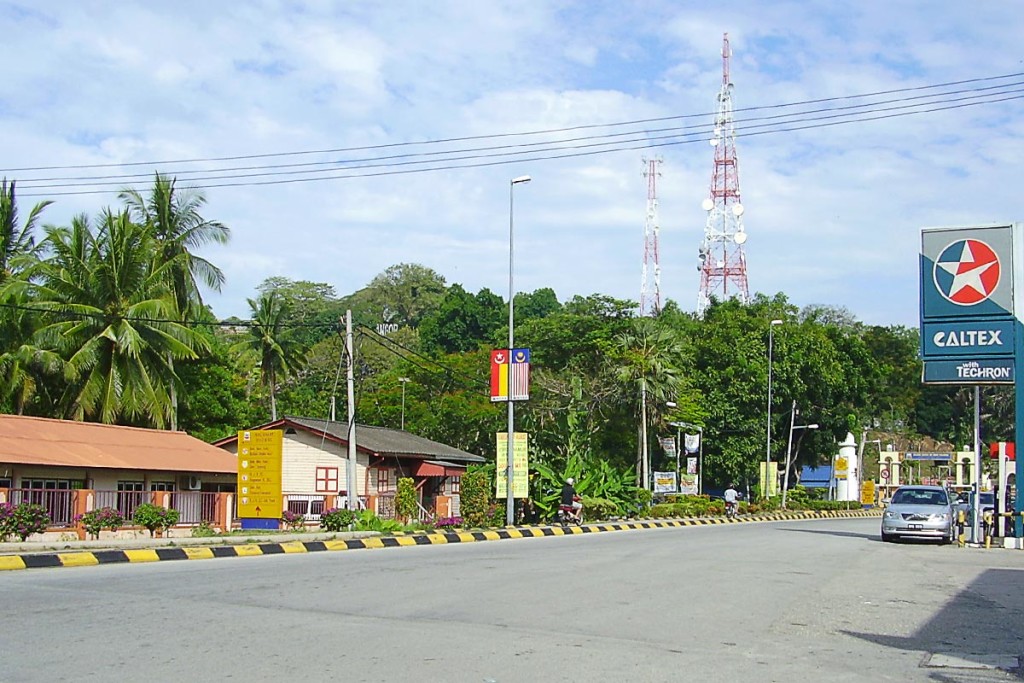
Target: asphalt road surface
[(782, 601)]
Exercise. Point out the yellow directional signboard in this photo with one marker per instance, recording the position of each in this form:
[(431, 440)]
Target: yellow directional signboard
[(842, 467), (259, 474), (867, 493)]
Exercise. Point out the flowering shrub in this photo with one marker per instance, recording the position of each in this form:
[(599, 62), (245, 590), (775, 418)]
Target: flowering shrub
[(336, 519), (293, 520), (448, 523), (22, 520), (155, 517), (95, 521)]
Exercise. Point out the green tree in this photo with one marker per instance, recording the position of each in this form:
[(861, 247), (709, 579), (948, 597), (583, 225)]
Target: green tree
[(462, 322), (648, 360), (20, 362), (403, 294), (172, 217), (313, 307), (111, 318), (279, 354), (173, 220)]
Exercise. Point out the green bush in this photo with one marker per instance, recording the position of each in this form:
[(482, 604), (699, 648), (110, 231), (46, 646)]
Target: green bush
[(337, 519), (155, 517), (203, 530), (367, 521), (95, 521), (22, 520), (599, 508), (475, 498), (405, 500)]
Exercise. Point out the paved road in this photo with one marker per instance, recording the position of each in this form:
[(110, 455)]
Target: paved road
[(782, 601)]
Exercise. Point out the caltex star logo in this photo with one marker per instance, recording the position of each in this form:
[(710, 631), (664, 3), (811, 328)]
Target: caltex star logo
[(967, 272)]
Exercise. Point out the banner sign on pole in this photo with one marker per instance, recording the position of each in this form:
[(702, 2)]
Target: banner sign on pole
[(510, 375), (664, 482), (520, 466), (691, 465), (692, 442), (668, 444), (688, 484)]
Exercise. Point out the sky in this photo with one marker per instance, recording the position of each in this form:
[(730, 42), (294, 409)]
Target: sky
[(101, 95)]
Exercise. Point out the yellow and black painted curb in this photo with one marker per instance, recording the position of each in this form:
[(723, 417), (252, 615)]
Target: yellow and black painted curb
[(97, 557)]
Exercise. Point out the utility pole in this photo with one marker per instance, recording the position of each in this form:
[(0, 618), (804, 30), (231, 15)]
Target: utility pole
[(350, 470)]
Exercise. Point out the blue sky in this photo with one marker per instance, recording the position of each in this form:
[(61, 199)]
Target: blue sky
[(833, 213)]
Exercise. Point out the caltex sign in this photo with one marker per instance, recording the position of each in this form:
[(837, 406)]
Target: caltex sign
[(967, 304)]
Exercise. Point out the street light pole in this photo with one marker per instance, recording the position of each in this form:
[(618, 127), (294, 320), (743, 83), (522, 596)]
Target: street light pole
[(403, 380), (789, 450), (510, 501), (768, 440)]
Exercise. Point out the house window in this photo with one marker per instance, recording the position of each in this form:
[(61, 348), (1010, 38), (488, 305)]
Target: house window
[(456, 485), (6, 483), (53, 494), (326, 479), (383, 480), (130, 495), (161, 486)]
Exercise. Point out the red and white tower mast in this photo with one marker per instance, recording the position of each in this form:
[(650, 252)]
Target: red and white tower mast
[(723, 265), (650, 282)]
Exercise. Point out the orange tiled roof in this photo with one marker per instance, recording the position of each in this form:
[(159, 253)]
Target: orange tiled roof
[(42, 441)]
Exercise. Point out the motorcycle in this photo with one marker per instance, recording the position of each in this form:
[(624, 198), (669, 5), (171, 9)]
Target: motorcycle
[(567, 514), (731, 509)]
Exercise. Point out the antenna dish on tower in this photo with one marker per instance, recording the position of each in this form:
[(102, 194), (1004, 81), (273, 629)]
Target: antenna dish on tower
[(707, 204), (740, 237), (714, 142), (737, 210)]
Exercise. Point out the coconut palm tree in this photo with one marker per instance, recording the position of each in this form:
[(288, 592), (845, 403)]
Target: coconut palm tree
[(19, 361), (647, 361), (111, 316), (16, 243), (173, 220), (280, 355)]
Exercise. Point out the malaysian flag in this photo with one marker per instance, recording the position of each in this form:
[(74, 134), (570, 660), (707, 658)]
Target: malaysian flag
[(519, 375)]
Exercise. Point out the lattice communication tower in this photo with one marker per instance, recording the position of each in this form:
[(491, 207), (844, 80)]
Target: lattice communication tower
[(722, 262), (650, 282)]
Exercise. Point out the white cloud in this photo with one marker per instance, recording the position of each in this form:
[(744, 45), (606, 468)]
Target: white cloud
[(833, 213)]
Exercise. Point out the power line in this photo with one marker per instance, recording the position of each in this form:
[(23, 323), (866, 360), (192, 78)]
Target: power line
[(560, 144), (363, 329), (309, 167), (591, 126), (271, 170), (572, 154)]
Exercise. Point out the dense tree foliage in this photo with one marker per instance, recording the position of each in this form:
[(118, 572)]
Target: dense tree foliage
[(101, 319)]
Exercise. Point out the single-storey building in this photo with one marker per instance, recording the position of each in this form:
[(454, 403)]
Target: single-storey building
[(315, 455), (71, 467)]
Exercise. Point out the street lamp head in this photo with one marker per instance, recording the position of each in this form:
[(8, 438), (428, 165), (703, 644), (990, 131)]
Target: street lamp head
[(775, 322), (670, 404), (814, 426), (404, 379), (521, 179)]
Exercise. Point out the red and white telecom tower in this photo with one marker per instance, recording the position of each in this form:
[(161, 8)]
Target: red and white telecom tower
[(723, 265), (650, 293)]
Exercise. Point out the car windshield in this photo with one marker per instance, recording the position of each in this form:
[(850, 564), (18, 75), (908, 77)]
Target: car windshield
[(919, 497)]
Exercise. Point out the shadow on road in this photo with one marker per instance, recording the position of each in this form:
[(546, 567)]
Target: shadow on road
[(823, 532), (979, 626)]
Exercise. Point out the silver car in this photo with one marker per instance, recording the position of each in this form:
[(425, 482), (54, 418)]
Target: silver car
[(919, 512)]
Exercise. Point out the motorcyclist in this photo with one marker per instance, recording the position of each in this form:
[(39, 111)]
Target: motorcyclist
[(570, 499), (731, 500)]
